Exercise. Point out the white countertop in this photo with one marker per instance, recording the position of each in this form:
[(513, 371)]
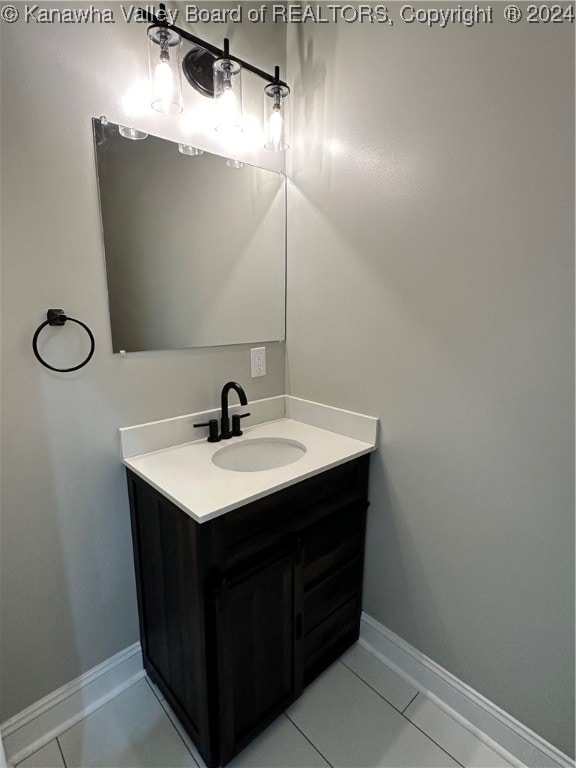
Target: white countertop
[(186, 475)]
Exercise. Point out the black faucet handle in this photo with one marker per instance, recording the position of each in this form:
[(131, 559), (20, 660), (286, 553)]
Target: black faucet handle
[(212, 425), (236, 431)]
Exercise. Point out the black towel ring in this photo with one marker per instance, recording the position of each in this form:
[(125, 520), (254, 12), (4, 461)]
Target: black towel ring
[(57, 317)]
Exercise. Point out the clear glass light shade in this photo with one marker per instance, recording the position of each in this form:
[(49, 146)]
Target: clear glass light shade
[(189, 150), (228, 96), (275, 117), (165, 74), (234, 163), (131, 133)]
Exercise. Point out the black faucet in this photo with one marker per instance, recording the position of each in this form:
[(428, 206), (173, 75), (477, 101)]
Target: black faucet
[(225, 432)]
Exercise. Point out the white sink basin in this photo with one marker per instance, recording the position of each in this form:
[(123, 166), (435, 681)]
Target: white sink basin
[(259, 453)]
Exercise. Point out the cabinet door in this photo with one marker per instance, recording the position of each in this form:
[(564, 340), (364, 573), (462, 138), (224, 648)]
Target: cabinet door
[(258, 628), (171, 606)]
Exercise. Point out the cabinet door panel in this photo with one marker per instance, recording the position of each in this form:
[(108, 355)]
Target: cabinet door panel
[(170, 606), (256, 649)]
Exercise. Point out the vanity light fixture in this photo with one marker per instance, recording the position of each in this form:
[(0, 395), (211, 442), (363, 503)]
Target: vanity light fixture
[(228, 93), (189, 150), (231, 163), (274, 96), (213, 72), (131, 133), (164, 63)]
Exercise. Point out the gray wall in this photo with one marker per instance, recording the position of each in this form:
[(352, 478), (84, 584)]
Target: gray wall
[(68, 598), (430, 283)]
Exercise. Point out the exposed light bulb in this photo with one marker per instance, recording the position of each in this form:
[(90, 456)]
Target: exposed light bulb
[(165, 77), (228, 95), (276, 130), (163, 85), (228, 104), (274, 98), (228, 115)]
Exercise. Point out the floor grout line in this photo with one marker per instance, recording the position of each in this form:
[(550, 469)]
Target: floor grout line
[(179, 734), (61, 753), (374, 689), (432, 740), (410, 702), (402, 713), (308, 740)]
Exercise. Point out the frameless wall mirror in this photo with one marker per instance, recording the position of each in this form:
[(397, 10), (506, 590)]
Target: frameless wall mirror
[(194, 245)]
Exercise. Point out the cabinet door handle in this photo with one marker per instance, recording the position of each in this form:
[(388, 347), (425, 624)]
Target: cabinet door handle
[(298, 627)]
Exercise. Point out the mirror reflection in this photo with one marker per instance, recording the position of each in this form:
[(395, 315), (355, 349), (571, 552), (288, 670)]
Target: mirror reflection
[(194, 245)]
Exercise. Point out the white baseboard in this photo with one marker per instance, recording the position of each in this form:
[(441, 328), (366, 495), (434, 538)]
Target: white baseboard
[(3, 760), (35, 726), (460, 701)]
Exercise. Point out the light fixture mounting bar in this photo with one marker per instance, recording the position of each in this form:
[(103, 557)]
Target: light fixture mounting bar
[(218, 52)]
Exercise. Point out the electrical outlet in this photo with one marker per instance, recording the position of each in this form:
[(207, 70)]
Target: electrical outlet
[(258, 361)]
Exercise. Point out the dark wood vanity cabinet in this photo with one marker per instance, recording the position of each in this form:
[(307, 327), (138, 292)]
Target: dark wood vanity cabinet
[(239, 613)]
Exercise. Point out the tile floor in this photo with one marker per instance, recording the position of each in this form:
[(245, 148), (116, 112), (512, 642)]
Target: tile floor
[(358, 714)]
